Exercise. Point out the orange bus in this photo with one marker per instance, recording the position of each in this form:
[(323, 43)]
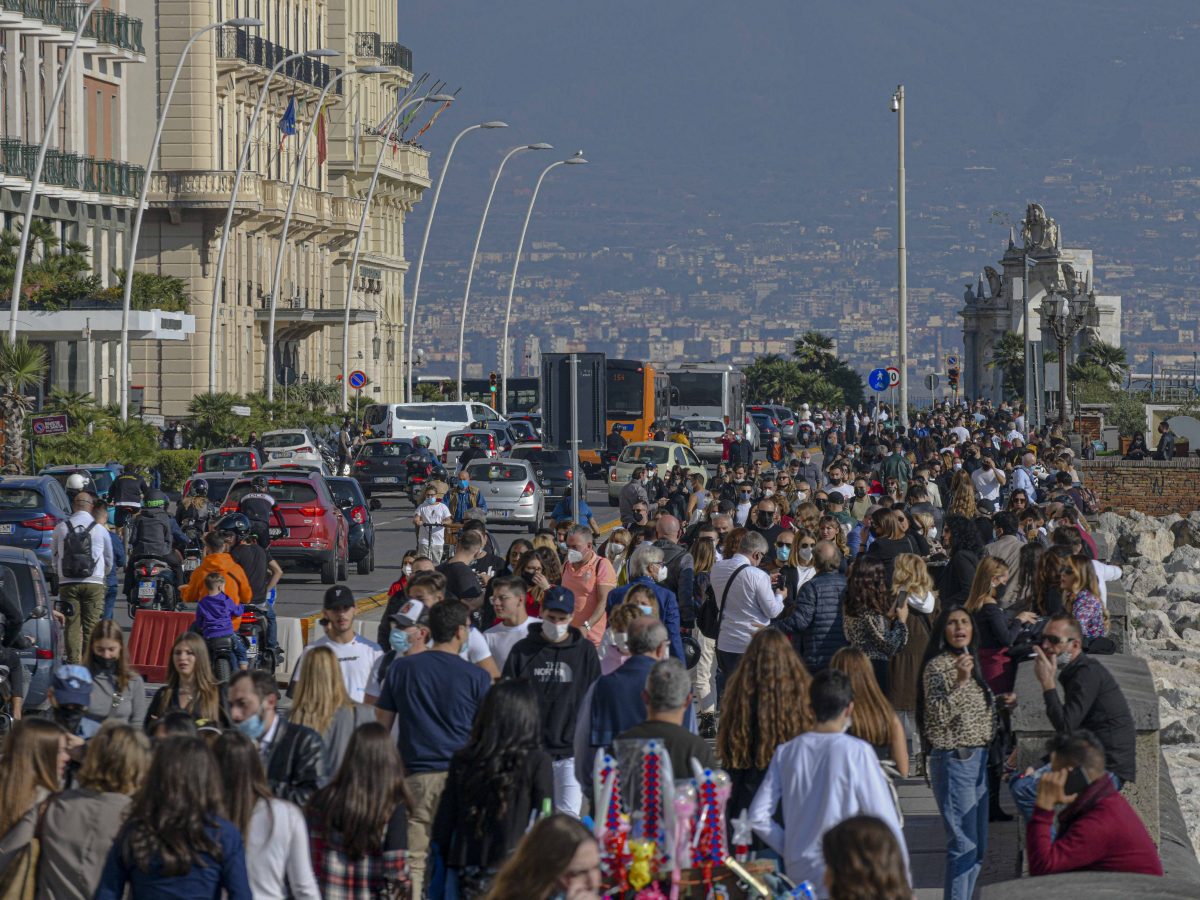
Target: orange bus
[(638, 396)]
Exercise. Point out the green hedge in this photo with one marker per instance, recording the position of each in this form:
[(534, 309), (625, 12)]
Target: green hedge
[(174, 466)]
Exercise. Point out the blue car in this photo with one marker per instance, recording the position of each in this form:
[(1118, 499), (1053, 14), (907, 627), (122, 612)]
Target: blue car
[(101, 475), (30, 508), (355, 506), (21, 577)]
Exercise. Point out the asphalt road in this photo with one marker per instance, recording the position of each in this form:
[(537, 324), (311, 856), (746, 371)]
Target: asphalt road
[(300, 592)]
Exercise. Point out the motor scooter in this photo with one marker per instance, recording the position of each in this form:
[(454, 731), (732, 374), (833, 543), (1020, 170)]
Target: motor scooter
[(153, 587)]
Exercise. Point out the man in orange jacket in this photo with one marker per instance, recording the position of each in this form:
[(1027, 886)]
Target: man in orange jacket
[(237, 585)]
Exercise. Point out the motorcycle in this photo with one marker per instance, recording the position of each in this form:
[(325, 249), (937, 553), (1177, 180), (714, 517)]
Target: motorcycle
[(253, 631), (152, 587), (22, 642), (220, 654), (193, 550), (421, 471)]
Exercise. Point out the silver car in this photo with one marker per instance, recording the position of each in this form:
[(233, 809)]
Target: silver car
[(511, 490), (21, 580), (706, 435)]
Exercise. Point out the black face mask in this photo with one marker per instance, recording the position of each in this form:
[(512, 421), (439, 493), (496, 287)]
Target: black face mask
[(765, 520), (999, 590), (107, 666), (860, 492)]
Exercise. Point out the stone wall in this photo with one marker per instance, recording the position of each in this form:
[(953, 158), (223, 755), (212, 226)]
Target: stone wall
[(1153, 488)]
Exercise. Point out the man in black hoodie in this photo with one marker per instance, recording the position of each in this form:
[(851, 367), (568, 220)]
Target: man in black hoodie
[(561, 664), (153, 535)]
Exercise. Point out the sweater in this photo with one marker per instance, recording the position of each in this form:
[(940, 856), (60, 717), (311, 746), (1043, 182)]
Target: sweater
[(228, 873), (237, 586)]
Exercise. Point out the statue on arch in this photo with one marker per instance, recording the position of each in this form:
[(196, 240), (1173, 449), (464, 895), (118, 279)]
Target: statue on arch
[(995, 281), (1039, 231)]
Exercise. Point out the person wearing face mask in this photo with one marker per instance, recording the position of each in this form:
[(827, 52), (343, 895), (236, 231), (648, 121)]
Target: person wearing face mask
[(765, 521), (430, 523), (589, 577), (632, 493), (118, 693), (647, 567), (806, 470), (407, 635), (463, 497), (861, 502), (743, 504), (681, 568), (562, 665)]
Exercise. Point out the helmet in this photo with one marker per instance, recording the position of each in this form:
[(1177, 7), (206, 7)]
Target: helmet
[(422, 440), (259, 482), (75, 482), (235, 523), (199, 488)]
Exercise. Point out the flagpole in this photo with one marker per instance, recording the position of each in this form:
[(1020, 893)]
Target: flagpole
[(437, 192), (219, 272), (287, 216)]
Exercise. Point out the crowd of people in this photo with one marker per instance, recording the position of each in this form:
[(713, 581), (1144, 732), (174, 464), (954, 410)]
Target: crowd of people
[(818, 627)]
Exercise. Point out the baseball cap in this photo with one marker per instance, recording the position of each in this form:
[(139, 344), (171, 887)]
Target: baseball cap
[(836, 498), (72, 685), (413, 612), (558, 599), (338, 597)]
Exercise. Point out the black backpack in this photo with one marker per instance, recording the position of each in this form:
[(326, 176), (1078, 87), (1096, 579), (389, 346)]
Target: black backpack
[(77, 559), (709, 619)]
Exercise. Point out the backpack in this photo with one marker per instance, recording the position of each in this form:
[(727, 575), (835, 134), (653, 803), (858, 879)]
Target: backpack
[(1086, 500), (709, 619), (77, 559)]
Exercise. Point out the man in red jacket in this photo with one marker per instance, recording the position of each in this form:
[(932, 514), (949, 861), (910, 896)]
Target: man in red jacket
[(1097, 830)]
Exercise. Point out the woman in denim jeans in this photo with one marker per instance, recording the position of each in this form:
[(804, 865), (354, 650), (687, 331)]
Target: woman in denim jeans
[(956, 715)]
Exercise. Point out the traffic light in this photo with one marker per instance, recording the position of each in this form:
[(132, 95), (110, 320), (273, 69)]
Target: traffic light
[(492, 382), (953, 375)]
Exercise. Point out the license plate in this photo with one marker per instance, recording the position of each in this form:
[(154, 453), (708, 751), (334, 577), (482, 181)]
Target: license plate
[(278, 532), (251, 647), (281, 454), (6, 529), (191, 564), (386, 479), (146, 590), (504, 513)]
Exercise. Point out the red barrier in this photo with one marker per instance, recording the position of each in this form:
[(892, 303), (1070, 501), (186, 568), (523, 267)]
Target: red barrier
[(154, 634)]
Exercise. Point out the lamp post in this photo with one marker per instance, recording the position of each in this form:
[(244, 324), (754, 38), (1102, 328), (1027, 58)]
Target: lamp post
[(287, 216), (140, 209), (36, 177), (401, 105), (1066, 314), (462, 320), (902, 256), (437, 192), (233, 194), (576, 160)]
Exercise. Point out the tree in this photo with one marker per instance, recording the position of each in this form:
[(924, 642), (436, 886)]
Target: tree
[(213, 418), (150, 291), (81, 410), (1100, 361), (1008, 355), (22, 366), (814, 352), (1128, 414)]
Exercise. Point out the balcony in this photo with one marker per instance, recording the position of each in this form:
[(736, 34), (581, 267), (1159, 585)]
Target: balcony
[(49, 20), (365, 43), (311, 206), (62, 172), (118, 31), (204, 189), (345, 214), (397, 55), (403, 163), (237, 46)]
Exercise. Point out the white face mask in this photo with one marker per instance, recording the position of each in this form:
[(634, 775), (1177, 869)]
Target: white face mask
[(661, 574), (768, 492), (555, 631), (407, 570), (574, 556), (614, 550)]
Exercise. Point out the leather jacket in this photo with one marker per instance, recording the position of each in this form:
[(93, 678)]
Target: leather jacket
[(296, 764)]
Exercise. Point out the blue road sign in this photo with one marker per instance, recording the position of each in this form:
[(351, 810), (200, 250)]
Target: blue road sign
[(358, 378), (879, 380)]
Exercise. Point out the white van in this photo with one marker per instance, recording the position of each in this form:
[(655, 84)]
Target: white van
[(434, 420)]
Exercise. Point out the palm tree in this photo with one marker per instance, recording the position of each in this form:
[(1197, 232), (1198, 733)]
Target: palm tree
[(814, 352), (1008, 355), (22, 366), (212, 416), (1108, 358), (81, 410)]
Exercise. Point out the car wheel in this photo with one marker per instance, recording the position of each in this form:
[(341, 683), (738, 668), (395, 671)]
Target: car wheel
[(367, 563), (329, 571)]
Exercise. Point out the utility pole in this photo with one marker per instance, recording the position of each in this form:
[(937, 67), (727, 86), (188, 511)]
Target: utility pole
[(902, 258)]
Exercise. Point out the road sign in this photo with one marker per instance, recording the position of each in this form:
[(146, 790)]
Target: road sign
[(893, 376), (931, 382), (44, 426), (358, 379), (951, 360), (879, 380)]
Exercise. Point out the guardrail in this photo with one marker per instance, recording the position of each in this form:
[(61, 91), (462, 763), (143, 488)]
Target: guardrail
[(366, 43), (234, 43), (397, 55), (117, 29), (71, 170)]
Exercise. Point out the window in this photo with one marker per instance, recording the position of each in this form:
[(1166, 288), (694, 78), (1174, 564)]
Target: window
[(644, 453), (20, 498), (484, 413), (227, 461), (540, 457), (696, 388), (690, 457), (283, 491), (286, 439), (17, 581), (497, 473), (435, 412), (386, 449)]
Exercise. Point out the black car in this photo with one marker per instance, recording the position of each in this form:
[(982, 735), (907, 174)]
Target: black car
[(552, 467), (379, 466), (355, 506)]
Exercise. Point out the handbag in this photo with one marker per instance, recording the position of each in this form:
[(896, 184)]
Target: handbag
[(19, 880), (710, 617)]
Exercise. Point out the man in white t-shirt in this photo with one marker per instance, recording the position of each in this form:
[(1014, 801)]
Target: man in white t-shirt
[(356, 654), (508, 600), (988, 480), (430, 519)]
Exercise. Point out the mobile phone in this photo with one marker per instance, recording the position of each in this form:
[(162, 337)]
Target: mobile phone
[(1076, 781)]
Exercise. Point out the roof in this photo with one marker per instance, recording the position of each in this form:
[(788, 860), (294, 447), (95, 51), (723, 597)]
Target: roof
[(24, 480), (18, 554)]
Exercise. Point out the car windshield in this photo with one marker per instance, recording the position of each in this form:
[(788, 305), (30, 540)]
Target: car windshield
[(543, 457), (463, 441), (102, 479), (344, 490), (284, 439), (643, 453), (704, 425), (283, 490), (20, 498), (388, 449), (227, 461), (497, 473)]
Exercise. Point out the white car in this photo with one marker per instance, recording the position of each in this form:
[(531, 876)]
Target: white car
[(290, 445), (706, 435)]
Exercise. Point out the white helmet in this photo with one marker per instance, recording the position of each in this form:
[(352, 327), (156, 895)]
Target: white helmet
[(75, 482)]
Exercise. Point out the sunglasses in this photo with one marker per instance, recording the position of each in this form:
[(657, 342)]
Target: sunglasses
[(808, 544), (783, 543), (1055, 640)]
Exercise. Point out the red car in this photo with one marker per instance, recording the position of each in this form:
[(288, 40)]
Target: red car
[(306, 527)]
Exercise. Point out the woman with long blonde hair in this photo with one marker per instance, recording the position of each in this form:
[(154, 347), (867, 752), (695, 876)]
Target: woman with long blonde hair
[(320, 702), (765, 704), (190, 687), (31, 769), (911, 578), (874, 719), (962, 496), (1080, 591)]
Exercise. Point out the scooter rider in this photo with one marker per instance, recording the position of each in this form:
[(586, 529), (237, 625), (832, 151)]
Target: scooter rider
[(154, 535), (257, 506), (262, 572), (127, 492), (195, 510)]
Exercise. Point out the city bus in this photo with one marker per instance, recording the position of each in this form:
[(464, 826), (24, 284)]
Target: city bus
[(713, 390), (637, 397)]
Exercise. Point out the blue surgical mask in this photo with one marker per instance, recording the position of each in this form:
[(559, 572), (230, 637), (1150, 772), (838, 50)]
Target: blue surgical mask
[(782, 553), (252, 727), (399, 641), (646, 610), (462, 483), (429, 501)]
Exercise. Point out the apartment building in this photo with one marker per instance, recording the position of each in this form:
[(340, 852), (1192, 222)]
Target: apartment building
[(190, 189)]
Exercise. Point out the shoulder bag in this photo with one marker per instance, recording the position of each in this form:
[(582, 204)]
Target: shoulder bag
[(709, 619)]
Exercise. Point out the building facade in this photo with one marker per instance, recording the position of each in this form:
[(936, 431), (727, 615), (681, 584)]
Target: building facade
[(206, 127), (996, 305)]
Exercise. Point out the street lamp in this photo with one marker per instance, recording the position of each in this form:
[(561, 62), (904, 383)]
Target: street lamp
[(462, 320), (237, 182), (402, 104), (576, 160), (287, 216), (902, 257), (35, 177), (140, 209), (1066, 314), (437, 192)]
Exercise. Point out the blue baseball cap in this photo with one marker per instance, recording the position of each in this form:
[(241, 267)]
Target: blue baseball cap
[(558, 599), (72, 685)]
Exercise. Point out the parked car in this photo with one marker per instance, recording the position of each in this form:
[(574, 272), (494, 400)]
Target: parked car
[(512, 492), (357, 509), (458, 441), (291, 445), (21, 577), (229, 459), (706, 435), (664, 454), (30, 507), (552, 468), (218, 485), (307, 527), (379, 466), (101, 475)]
